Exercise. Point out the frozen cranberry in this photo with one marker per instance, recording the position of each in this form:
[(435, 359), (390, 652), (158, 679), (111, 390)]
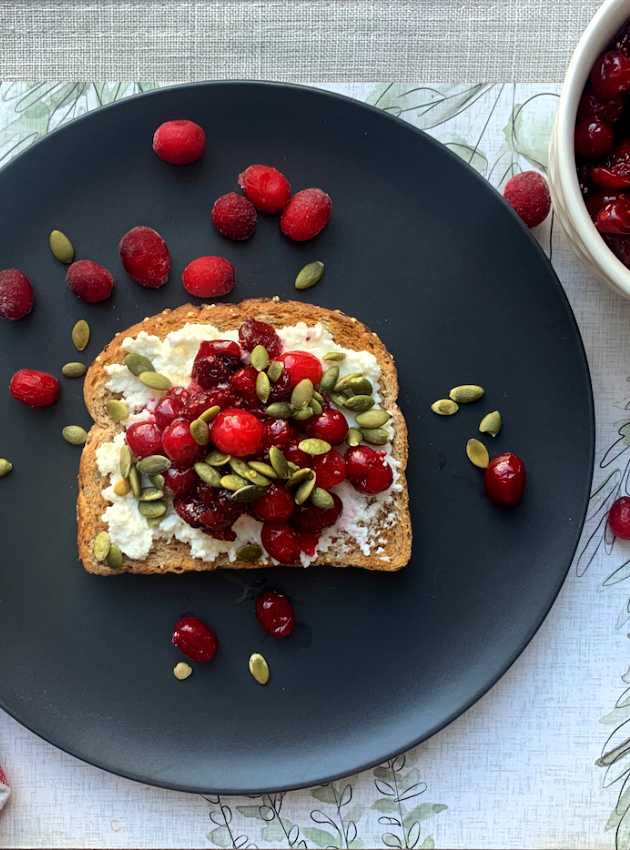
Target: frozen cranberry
[(307, 214), (209, 369), (614, 218), (180, 482), (300, 365), (243, 383), (620, 246), (281, 542), (610, 76), (34, 388), (281, 390), (368, 470), (170, 407), (179, 142), (619, 518), (220, 511), (505, 479), (330, 469), (266, 187), (331, 425), (311, 520), (90, 281), (252, 333), (144, 439), (593, 138), (591, 106), (275, 614), (234, 217), (279, 433), (295, 454), (145, 256), (596, 201), (193, 637), (208, 277), (16, 294), (277, 503), (528, 195), (179, 445), (237, 432)]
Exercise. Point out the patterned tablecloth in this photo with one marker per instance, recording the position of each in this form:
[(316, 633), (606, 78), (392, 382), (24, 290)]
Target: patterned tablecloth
[(543, 760)]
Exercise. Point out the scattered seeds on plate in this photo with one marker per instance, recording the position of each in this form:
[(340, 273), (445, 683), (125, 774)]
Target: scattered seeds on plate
[(182, 670)]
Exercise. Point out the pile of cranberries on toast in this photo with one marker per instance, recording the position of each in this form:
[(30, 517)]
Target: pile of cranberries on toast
[(242, 436)]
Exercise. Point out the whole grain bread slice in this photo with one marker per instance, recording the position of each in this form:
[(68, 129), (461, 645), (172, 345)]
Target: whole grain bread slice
[(394, 534)]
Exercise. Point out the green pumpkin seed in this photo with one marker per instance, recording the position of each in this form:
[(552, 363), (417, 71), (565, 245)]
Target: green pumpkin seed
[(444, 407), (114, 557), (303, 413), (125, 461), (208, 474), (491, 423), (305, 489), (259, 668), (329, 378), (318, 396), (316, 407), (276, 368), (322, 499), (151, 494), (313, 446), (74, 369), (339, 400), (81, 335), (61, 247), (372, 418), (217, 458), (263, 387), (279, 410), (477, 453), (101, 546), (153, 521), (334, 356), (258, 478), (249, 552), (343, 382), (244, 470), (279, 462), (121, 488), (300, 475), (5, 466), (74, 434), (353, 437), (155, 381), (357, 386), (308, 276), (158, 481), (263, 468), (248, 493), (209, 414), (359, 403), (233, 482), (466, 393), (375, 436), (239, 467), (137, 363), (152, 510), (259, 358), (117, 410), (134, 482), (302, 393), (200, 432), (153, 464)]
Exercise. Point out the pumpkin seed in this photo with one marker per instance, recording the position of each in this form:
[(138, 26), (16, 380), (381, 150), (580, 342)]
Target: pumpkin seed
[(263, 468), (305, 489), (303, 413), (138, 363), (258, 478), (279, 410), (208, 474), (61, 247), (334, 356), (74, 369), (308, 276), (155, 381), (239, 467), (359, 403), (151, 494), (466, 393), (121, 488), (134, 482), (200, 432), (444, 407), (152, 510), (101, 546), (276, 368), (491, 423), (314, 446), (329, 378), (375, 436), (318, 396), (259, 358), (182, 670), (302, 393), (209, 414), (114, 557), (75, 435), (158, 481), (339, 399), (217, 458), (279, 462), (153, 464), (125, 461), (248, 493), (343, 382), (244, 470), (249, 552), (153, 521), (233, 482), (81, 335), (300, 475), (316, 407), (353, 437), (263, 387), (117, 410), (5, 466), (259, 668), (358, 386), (322, 499), (372, 418), (477, 453), (293, 467)]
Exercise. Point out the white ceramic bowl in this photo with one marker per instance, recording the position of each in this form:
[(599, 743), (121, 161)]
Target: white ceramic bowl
[(565, 190)]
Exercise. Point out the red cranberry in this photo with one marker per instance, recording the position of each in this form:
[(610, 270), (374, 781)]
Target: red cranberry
[(308, 541), (281, 390), (266, 187), (614, 218), (200, 400), (279, 433), (610, 76), (144, 439), (243, 383), (16, 294), (237, 432), (622, 39), (193, 637), (300, 365), (597, 201), (221, 534), (90, 281), (222, 348), (180, 482), (619, 518), (34, 388), (281, 542), (307, 214), (295, 454), (275, 614), (252, 333), (615, 174), (593, 138), (528, 195), (179, 142), (145, 256), (208, 277), (331, 425), (330, 469), (170, 407), (584, 178), (505, 479), (219, 511), (210, 370), (277, 503), (591, 106), (179, 445), (234, 217), (368, 470), (189, 509), (311, 520)]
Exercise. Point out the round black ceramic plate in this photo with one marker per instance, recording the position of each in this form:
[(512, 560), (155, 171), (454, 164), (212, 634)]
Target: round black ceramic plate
[(425, 253)]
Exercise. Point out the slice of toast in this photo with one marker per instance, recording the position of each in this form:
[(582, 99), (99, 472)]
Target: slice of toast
[(392, 548)]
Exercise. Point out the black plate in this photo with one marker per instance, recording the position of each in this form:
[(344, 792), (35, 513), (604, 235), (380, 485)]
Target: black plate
[(428, 255)]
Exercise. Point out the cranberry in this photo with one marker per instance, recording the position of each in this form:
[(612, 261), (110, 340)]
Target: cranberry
[(170, 407), (221, 534), (16, 294), (34, 388), (528, 195), (591, 106), (295, 454), (219, 510), (243, 383), (281, 390), (614, 218), (307, 214), (145, 256), (279, 433), (308, 541), (179, 142), (275, 614), (179, 444), (584, 178), (237, 432), (615, 174), (90, 281), (234, 217), (200, 400), (208, 277), (368, 470), (610, 76), (330, 469), (193, 637), (221, 347), (189, 509), (311, 520), (331, 425), (622, 39), (252, 333), (619, 518), (597, 201), (180, 482), (281, 542), (266, 187), (144, 439), (505, 479), (277, 503), (593, 138), (300, 365), (210, 370)]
